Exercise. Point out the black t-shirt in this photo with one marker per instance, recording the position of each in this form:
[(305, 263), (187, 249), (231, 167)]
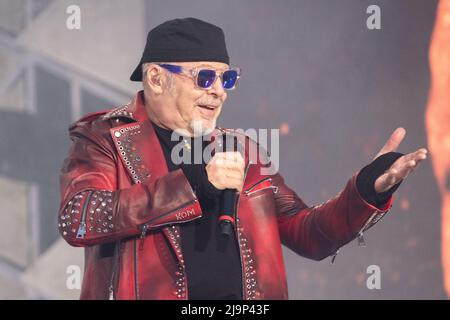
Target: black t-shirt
[(212, 261)]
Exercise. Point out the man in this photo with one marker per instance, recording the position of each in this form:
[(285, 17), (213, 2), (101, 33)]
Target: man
[(150, 224)]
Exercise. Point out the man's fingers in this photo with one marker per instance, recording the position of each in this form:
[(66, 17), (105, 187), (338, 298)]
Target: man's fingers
[(416, 156), (230, 157), (229, 161), (235, 184), (400, 169), (424, 150), (226, 170), (226, 165), (229, 182), (419, 154), (232, 174), (393, 142)]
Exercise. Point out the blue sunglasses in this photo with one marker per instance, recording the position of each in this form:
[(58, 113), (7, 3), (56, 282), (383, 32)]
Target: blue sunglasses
[(205, 78)]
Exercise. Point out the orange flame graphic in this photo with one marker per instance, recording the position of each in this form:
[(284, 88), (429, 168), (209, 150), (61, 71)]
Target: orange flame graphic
[(437, 123)]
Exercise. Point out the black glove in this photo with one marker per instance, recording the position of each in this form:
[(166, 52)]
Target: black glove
[(365, 182)]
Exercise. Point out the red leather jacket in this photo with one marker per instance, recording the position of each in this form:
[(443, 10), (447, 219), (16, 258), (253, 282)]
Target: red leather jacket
[(119, 201)]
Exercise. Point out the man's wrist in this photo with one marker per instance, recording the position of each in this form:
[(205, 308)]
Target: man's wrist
[(365, 181)]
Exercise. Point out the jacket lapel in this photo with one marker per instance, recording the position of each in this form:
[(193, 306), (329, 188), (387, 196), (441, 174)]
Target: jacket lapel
[(141, 154)]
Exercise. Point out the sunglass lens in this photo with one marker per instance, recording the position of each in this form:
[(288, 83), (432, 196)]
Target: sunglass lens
[(229, 79), (206, 78)]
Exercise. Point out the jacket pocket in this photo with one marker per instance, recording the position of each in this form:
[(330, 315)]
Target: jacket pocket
[(264, 184)]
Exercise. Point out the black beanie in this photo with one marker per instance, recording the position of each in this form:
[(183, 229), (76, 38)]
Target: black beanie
[(183, 40)]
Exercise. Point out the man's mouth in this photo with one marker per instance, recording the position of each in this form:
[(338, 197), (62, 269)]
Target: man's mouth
[(207, 106), (208, 111)]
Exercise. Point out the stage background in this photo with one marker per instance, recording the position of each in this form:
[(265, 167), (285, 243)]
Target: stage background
[(312, 68)]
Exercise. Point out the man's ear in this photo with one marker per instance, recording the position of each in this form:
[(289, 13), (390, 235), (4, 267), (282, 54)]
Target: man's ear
[(153, 79)]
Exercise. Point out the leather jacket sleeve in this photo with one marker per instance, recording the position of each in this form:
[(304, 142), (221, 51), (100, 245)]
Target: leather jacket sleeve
[(317, 232), (93, 210)]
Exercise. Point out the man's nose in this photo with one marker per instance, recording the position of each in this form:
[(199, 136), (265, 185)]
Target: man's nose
[(217, 88)]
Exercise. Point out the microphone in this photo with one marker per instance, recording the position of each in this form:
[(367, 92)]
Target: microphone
[(228, 207), (226, 218)]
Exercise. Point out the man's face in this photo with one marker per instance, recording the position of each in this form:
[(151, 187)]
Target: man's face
[(191, 106)]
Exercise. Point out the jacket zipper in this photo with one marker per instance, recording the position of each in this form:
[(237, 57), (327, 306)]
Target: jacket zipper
[(361, 240), (249, 191), (143, 232), (144, 227), (82, 228), (115, 269), (136, 282)]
